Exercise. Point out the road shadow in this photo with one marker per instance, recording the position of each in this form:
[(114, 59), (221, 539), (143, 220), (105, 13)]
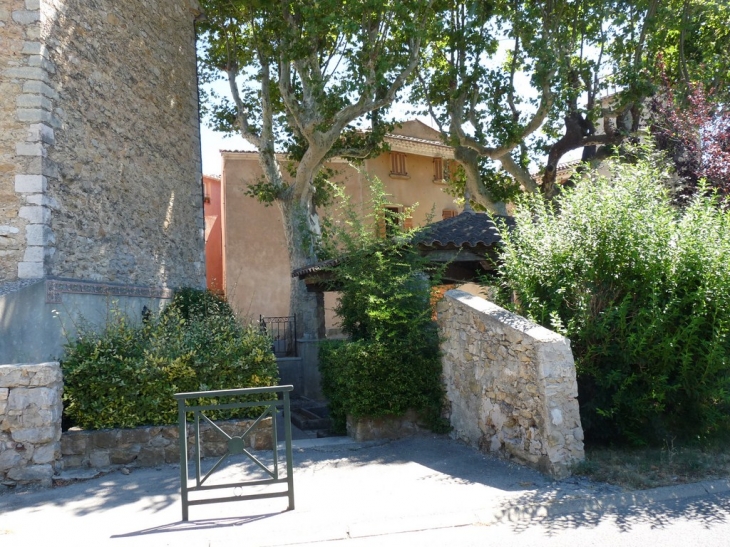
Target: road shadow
[(545, 508), (522, 498), (199, 524)]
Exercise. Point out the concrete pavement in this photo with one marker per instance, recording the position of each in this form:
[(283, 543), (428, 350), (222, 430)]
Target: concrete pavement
[(424, 490)]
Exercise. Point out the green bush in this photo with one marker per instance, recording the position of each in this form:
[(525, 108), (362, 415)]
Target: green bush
[(392, 361), (377, 378), (125, 375), (642, 291)]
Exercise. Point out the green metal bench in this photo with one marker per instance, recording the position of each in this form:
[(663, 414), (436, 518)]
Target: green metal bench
[(235, 445)]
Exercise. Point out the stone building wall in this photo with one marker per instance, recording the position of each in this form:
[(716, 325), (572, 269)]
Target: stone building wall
[(30, 423), (99, 142), (100, 182), (510, 384), (124, 180)]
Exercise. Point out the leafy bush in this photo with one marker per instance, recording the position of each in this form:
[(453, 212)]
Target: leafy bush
[(125, 375), (392, 361), (642, 290), (377, 378)]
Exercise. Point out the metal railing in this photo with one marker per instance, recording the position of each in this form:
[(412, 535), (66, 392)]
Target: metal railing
[(283, 333), (235, 445)]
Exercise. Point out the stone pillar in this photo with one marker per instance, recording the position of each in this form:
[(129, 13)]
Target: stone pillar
[(28, 124), (30, 423), (311, 378)]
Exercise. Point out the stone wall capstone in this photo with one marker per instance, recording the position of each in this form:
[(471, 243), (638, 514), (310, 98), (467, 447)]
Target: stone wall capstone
[(30, 423), (510, 384)]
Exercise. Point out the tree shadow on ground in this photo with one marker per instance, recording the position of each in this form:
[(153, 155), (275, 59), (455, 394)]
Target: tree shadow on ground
[(544, 508)]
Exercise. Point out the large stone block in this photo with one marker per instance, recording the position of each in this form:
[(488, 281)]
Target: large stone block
[(382, 427), (37, 436), (47, 453), (99, 458), (10, 459), (149, 457), (139, 435), (123, 456), (30, 270), (75, 442), (39, 397), (107, 438), (32, 473), (26, 17), (31, 184)]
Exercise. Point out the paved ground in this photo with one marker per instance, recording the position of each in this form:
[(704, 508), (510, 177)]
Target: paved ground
[(425, 490)]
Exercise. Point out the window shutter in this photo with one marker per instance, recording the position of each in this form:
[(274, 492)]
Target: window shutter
[(448, 213), (438, 169), (398, 163), (408, 223), (381, 227)]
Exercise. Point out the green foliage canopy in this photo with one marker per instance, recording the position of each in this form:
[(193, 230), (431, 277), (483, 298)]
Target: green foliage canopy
[(495, 73), (642, 291)]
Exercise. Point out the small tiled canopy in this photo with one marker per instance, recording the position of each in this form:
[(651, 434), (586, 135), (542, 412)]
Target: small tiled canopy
[(466, 243)]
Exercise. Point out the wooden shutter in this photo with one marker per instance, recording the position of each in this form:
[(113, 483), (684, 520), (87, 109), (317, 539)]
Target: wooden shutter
[(438, 169), (448, 213), (398, 163), (408, 223)]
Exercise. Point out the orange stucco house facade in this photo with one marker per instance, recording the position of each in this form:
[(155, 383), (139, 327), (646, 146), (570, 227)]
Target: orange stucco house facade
[(213, 233), (251, 266)]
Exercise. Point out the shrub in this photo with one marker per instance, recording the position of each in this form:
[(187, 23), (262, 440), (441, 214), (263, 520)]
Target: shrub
[(382, 377), (392, 362), (125, 375), (642, 290)]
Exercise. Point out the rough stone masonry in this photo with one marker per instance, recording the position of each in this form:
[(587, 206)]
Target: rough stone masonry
[(30, 423), (100, 194), (510, 384)]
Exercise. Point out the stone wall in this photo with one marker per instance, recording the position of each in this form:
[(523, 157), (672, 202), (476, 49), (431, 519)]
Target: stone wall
[(100, 178), (127, 193), (510, 384), (99, 142), (30, 422), (151, 446)]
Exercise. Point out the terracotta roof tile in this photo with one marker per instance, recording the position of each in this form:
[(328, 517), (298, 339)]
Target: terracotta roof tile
[(468, 229)]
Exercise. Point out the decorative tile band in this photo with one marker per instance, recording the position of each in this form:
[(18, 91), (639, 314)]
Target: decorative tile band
[(57, 287)]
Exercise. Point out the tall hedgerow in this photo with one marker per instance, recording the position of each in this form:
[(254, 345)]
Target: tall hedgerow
[(641, 289)]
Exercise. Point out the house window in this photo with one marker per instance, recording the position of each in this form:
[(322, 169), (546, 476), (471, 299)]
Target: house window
[(440, 170), (448, 213), (393, 221), (398, 164)]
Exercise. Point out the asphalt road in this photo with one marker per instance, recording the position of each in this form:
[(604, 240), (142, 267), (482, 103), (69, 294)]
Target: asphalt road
[(425, 490)]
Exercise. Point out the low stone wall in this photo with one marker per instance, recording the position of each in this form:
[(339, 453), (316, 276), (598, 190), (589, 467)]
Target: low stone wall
[(510, 384), (151, 446), (30, 423), (383, 427)]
